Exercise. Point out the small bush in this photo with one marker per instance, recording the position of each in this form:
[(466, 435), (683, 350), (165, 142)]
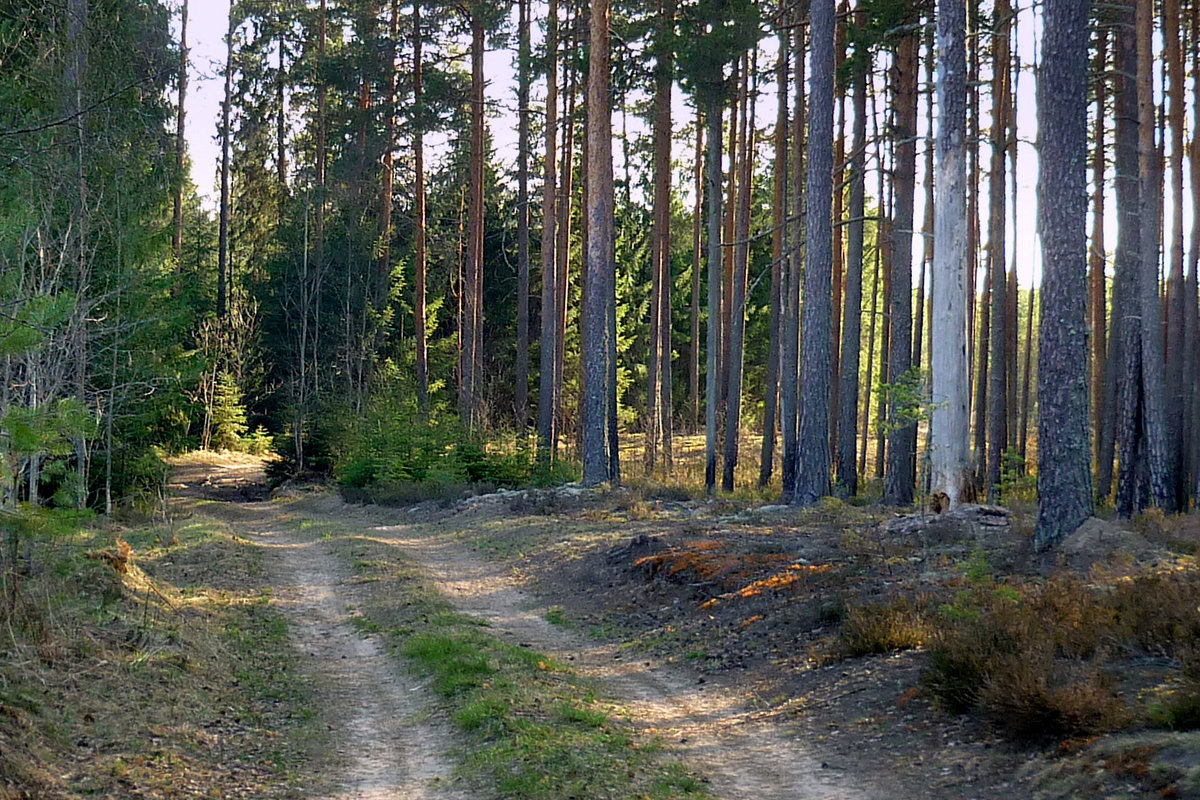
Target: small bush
[(885, 627)]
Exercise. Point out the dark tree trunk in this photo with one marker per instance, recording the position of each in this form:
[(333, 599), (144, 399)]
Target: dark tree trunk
[(1126, 304), (737, 315), (471, 329), (659, 362), (847, 465), (902, 441), (1176, 401), (1064, 476), (547, 429), (180, 141), (419, 309), (713, 114), (697, 255), (1097, 285), (789, 349), (996, 365), (223, 268), (1158, 449), (812, 469), (778, 249), (521, 391)]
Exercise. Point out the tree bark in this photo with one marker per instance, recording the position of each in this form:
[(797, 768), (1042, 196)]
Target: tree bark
[(1097, 285), (1125, 355), (847, 463), (1064, 476), (1176, 400), (949, 423), (658, 418), (1153, 379), (996, 365), (547, 418), (737, 315), (521, 392), (697, 254), (600, 284), (223, 269), (902, 440), (812, 469), (790, 345), (778, 249), (180, 141), (419, 306), (713, 114), (470, 332)]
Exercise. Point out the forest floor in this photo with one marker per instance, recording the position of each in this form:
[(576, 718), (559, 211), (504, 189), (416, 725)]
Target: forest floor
[(714, 627), (543, 644)]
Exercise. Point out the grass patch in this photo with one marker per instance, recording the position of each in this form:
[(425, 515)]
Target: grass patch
[(532, 728), (174, 673)]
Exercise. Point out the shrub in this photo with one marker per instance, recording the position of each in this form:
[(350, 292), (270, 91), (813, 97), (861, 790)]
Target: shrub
[(885, 627)]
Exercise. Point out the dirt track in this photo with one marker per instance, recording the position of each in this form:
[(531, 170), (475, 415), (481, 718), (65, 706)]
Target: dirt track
[(394, 750)]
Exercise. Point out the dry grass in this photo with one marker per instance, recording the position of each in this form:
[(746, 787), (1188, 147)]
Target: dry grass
[(172, 678)]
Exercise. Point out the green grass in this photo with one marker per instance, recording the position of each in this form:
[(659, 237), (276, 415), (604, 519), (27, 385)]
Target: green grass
[(531, 728)]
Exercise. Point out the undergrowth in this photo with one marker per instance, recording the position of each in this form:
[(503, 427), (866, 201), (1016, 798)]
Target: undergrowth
[(533, 729), (132, 668), (1052, 657)]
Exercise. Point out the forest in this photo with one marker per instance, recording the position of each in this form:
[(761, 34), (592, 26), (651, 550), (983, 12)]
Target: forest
[(648, 399), (825, 238)]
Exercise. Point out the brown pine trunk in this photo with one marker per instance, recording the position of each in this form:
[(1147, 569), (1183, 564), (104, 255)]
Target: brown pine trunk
[(223, 268), (1176, 402), (600, 284), (790, 344), (1155, 409), (566, 177), (778, 248), (663, 201), (470, 332), (737, 315), (1097, 284), (180, 141), (419, 306), (899, 480), (996, 362), (521, 392), (851, 340), (658, 417), (547, 418), (697, 254)]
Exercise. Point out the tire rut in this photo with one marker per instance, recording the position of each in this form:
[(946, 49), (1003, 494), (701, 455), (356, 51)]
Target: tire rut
[(388, 747), (743, 754)]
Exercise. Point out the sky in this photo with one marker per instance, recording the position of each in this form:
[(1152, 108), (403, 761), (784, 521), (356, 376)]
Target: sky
[(206, 31)]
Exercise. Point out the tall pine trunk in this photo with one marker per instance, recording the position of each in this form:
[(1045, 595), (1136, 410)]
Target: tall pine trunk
[(902, 440), (778, 250), (521, 391), (599, 286), (847, 467), (996, 365), (949, 423), (547, 418), (1064, 476), (470, 404), (180, 142), (419, 305), (812, 469)]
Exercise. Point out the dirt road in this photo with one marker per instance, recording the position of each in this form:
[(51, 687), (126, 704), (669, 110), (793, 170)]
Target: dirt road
[(394, 749)]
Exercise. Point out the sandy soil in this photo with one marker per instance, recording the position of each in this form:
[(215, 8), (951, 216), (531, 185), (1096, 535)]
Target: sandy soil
[(393, 749), (388, 746)]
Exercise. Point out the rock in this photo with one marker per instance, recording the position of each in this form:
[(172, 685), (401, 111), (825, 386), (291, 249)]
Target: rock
[(1098, 540)]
